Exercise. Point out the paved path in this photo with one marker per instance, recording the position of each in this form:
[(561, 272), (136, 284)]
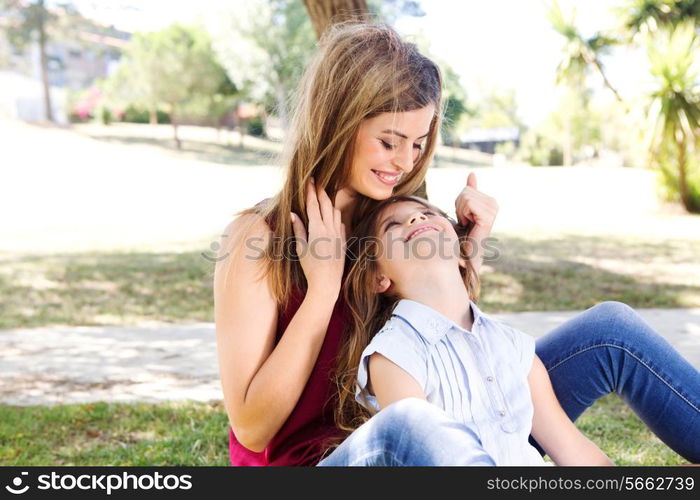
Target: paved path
[(163, 361)]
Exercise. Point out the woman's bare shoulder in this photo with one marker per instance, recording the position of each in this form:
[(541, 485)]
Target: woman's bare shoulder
[(245, 226)]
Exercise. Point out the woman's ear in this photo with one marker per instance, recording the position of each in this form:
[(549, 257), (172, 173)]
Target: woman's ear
[(383, 284)]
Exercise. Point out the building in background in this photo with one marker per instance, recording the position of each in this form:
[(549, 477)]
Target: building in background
[(76, 58), (487, 139)]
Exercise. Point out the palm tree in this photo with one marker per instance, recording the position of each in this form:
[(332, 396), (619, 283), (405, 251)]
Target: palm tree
[(675, 104), (646, 16), (580, 53)]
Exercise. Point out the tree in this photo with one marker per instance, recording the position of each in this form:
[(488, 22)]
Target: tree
[(647, 16), (170, 67), (675, 104), (264, 47), (580, 53), (455, 105), (28, 23), (323, 12)]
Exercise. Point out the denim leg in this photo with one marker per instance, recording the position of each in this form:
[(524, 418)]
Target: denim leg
[(410, 432), (609, 347)]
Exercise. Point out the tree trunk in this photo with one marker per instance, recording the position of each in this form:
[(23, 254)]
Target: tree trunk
[(567, 155), (682, 174), (241, 131), (322, 12), (173, 120), (607, 83), (43, 60), (153, 116)]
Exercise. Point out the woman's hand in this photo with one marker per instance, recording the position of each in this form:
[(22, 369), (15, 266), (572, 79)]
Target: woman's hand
[(477, 210), (321, 251)]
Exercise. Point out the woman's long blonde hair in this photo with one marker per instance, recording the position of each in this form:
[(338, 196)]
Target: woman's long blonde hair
[(361, 69), (370, 310)]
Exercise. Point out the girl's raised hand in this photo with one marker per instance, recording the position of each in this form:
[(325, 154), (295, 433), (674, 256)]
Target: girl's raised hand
[(321, 249), (476, 207), (477, 210)]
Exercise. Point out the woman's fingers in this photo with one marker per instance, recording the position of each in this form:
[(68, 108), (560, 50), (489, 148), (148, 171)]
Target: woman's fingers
[(313, 211), (299, 232)]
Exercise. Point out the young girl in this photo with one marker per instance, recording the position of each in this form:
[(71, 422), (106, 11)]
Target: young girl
[(365, 124), (439, 346)]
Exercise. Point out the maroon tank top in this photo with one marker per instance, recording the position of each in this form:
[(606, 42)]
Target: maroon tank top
[(302, 439)]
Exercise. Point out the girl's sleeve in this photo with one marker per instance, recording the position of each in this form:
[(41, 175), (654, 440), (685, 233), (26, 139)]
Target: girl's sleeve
[(400, 344)]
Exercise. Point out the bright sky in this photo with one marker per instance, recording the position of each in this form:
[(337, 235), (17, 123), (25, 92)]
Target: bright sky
[(501, 43)]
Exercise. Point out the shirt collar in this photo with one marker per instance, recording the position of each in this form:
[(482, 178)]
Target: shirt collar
[(431, 324)]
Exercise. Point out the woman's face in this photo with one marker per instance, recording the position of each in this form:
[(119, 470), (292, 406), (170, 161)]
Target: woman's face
[(412, 237), (387, 148)]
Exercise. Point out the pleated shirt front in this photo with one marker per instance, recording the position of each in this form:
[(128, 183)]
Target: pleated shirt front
[(478, 377)]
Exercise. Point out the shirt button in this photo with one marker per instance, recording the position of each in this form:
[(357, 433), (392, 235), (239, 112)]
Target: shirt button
[(489, 378), (502, 413)]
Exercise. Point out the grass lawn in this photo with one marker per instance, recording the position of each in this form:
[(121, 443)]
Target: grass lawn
[(189, 433), (537, 273)]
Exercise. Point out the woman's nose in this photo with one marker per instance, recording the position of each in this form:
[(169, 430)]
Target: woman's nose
[(404, 159)]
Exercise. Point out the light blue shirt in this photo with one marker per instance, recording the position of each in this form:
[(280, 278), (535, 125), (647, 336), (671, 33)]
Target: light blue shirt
[(477, 377)]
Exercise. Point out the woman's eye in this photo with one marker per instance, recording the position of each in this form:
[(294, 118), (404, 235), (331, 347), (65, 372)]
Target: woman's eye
[(388, 146)]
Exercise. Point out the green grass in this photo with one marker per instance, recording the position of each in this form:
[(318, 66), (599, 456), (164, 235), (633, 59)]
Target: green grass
[(105, 289), (576, 272), (535, 273), (139, 434), (192, 433)]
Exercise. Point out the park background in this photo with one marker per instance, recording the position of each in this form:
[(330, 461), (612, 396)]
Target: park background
[(132, 132)]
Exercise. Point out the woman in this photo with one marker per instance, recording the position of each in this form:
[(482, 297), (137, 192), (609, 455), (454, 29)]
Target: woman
[(365, 125)]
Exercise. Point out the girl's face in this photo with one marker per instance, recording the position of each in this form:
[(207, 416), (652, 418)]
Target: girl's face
[(387, 148), (414, 239)]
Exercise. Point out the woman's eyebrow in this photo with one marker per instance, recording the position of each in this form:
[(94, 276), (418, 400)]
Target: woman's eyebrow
[(396, 132)]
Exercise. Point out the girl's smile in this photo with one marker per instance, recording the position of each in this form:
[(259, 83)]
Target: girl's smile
[(421, 229)]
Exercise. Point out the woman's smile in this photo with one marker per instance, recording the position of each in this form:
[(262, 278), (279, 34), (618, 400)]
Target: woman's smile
[(387, 178)]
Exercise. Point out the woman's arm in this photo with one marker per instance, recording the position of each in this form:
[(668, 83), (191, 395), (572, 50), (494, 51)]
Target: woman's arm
[(262, 382), (473, 206), (553, 430)]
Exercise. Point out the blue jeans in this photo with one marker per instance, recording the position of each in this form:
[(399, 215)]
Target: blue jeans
[(606, 348)]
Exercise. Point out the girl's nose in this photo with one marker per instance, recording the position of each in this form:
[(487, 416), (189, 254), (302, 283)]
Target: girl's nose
[(418, 216)]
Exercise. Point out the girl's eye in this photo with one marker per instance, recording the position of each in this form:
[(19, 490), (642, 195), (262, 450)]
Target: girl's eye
[(390, 223), (428, 212)]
